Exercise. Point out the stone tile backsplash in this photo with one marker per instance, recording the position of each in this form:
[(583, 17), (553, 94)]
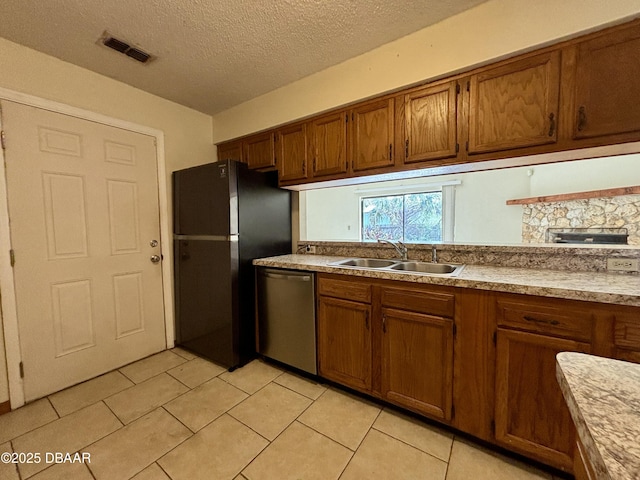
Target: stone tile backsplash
[(604, 212)]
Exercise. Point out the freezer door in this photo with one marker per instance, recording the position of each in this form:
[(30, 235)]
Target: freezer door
[(202, 201)]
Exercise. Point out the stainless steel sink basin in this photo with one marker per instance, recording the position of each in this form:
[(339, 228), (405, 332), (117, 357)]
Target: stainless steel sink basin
[(425, 267), (364, 263)]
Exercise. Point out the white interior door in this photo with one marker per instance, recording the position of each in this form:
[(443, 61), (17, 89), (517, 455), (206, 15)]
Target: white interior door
[(84, 216)]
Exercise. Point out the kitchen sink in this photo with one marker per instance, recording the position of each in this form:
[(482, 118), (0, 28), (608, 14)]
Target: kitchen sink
[(425, 267), (364, 263)]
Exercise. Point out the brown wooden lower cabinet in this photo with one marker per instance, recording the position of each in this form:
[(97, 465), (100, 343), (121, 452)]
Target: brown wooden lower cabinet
[(417, 361), (344, 342), (531, 415), (439, 351)]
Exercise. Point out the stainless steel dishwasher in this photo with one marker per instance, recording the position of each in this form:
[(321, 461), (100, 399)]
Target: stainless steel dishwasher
[(286, 317)]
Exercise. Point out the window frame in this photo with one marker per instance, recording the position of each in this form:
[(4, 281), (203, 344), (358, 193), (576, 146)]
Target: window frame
[(448, 204)]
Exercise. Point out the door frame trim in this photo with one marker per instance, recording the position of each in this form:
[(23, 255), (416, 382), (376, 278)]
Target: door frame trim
[(8, 315)]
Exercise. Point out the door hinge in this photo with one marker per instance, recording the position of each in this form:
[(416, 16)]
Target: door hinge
[(3, 140), (457, 147), (12, 257), (21, 370), (346, 118), (453, 411), (493, 427), (467, 145), (468, 86), (457, 89), (495, 338), (455, 329)]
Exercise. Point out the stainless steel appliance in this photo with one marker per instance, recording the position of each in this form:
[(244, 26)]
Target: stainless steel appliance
[(225, 215), (286, 317)]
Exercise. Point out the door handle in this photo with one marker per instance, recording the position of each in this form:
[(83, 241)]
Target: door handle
[(155, 258)]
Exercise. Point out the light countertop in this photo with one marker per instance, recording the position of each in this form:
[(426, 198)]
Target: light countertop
[(622, 289), (603, 396)]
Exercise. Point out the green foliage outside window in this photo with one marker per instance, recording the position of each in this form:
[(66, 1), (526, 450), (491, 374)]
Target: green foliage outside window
[(411, 218)]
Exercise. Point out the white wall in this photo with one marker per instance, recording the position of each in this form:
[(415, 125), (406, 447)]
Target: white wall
[(596, 174), (492, 30), (188, 134)]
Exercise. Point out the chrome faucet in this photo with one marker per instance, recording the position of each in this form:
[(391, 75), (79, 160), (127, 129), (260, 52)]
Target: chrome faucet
[(434, 254), (400, 247)]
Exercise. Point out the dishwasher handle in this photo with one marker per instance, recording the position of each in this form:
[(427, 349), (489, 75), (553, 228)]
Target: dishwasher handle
[(280, 276)]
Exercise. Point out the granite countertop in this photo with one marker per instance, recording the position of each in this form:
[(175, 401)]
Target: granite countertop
[(603, 396), (621, 289)]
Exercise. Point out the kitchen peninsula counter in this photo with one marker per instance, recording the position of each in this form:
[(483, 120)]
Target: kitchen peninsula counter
[(603, 396), (615, 288)]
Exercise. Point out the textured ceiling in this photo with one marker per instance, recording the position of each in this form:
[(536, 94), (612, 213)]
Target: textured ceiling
[(213, 54)]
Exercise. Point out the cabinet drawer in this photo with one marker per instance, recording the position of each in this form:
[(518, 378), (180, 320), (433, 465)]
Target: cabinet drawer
[(348, 290), (433, 303), (627, 332), (548, 319)]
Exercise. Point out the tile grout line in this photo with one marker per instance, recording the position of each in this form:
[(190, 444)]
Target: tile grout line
[(228, 412), (377, 429)]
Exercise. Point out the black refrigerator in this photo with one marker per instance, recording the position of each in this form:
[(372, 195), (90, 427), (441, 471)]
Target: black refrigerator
[(224, 216)]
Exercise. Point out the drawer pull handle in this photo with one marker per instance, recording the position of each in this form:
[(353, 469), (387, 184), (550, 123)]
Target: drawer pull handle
[(384, 324), (537, 320)]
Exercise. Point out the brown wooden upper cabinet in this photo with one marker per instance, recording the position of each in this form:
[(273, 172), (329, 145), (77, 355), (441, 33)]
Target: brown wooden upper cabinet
[(230, 151), (431, 123), (259, 151), (372, 135), (607, 84), (515, 105), (328, 142), (291, 152)]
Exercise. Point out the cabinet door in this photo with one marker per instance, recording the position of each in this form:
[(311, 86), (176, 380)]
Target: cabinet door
[(291, 153), (372, 135), (259, 151), (329, 144), (515, 105), (230, 151), (608, 84), (417, 361), (431, 123), (531, 415), (344, 342)]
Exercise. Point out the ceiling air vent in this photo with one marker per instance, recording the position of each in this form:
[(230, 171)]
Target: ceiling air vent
[(123, 47)]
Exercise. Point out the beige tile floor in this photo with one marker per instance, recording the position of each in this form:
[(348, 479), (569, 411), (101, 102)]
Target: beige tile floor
[(176, 416)]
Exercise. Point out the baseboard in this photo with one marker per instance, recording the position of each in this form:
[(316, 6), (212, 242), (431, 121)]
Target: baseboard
[(5, 407)]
